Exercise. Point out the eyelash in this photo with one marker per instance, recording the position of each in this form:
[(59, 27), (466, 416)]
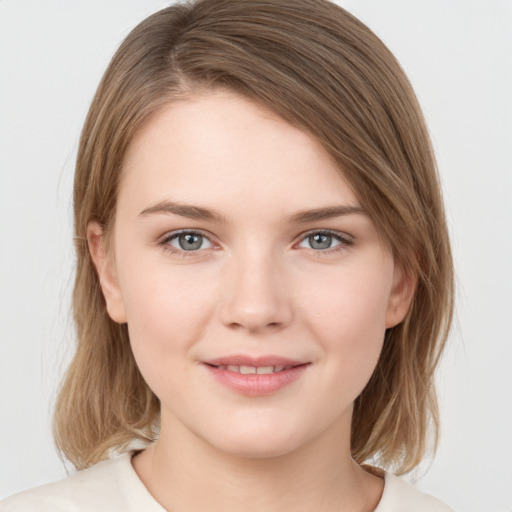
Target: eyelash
[(343, 240), (165, 243)]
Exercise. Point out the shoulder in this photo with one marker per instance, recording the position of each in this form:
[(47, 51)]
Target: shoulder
[(109, 486), (94, 488), (400, 496)]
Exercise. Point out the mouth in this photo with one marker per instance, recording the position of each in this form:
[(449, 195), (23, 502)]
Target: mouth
[(248, 370), (256, 376)]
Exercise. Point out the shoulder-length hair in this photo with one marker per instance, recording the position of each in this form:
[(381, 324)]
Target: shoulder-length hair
[(323, 71)]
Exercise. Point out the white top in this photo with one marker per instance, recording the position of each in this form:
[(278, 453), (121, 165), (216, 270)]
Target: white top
[(114, 486)]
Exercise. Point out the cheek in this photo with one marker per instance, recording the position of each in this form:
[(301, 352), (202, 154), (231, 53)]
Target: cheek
[(348, 317), (167, 312), (352, 300)]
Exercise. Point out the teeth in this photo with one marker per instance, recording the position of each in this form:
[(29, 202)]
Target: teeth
[(246, 370)]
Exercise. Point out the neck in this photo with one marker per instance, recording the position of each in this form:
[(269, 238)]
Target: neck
[(184, 472)]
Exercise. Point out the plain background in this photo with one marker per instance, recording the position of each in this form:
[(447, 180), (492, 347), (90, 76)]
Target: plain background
[(458, 55)]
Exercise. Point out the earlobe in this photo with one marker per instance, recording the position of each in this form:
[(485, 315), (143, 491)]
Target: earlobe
[(400, 299), (107, 273)]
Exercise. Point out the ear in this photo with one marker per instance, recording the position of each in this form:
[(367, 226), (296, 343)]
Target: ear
[(400, 299), (107, 272)]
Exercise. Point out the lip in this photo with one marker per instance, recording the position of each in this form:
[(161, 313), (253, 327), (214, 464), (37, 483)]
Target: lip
[(243, 360), (255, 384)]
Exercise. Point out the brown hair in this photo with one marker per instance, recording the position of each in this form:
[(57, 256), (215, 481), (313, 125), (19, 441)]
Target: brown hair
[(325, 72)]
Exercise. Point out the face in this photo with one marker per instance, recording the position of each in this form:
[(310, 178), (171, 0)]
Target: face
[(256, 289)]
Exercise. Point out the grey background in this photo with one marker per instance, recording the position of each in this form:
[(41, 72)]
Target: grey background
[(457, 54)]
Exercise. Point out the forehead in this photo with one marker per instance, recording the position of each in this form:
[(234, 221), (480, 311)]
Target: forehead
[(216, 148)]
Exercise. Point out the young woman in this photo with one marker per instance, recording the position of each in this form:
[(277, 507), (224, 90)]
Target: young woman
[(264, 280)]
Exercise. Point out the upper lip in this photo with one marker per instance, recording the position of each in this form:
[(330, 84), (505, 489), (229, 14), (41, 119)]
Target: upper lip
[(256, 361)]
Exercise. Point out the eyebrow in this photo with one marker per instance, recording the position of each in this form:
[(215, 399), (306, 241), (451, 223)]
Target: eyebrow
[(200, 213), (327, 212), (184, 210)]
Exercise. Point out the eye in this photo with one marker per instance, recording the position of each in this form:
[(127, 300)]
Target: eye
[(188, 241), (323, 241)]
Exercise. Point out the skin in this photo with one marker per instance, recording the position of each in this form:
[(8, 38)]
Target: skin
[(257, 285)]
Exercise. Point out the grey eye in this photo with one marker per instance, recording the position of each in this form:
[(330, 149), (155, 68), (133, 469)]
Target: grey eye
[(320, 241), (190, 241)]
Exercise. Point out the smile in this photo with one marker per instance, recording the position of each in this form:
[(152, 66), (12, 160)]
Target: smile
[(255, 376), (260, 370)]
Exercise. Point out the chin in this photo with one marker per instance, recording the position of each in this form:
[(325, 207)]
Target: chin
[(257, 444)]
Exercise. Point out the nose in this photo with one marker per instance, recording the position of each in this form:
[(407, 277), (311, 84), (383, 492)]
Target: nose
[(256, 297)]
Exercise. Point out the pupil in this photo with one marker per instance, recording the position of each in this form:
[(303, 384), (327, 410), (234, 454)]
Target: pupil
[(190, 241), (320, 241)]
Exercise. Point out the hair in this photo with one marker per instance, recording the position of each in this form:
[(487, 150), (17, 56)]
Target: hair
[(325, 72)]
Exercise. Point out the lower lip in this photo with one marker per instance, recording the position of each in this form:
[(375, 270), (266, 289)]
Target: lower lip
[(254, 384)]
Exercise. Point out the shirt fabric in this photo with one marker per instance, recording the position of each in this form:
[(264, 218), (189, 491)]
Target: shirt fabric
[(114, 486)]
